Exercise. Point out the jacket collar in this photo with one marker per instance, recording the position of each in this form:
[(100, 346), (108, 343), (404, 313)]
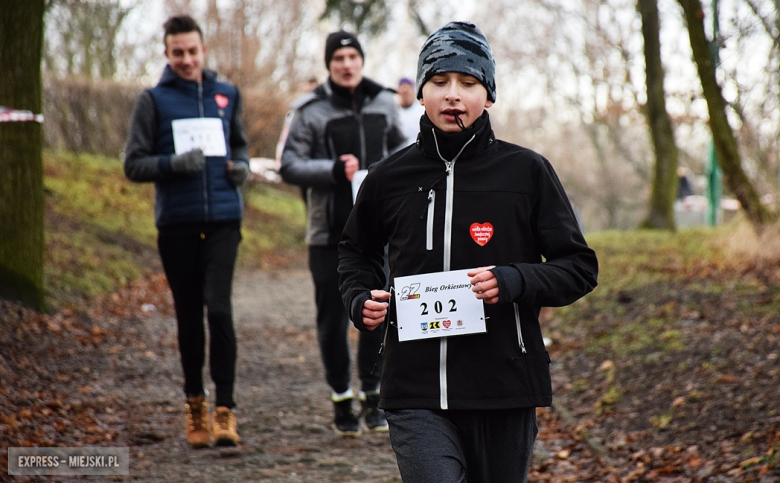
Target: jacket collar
[(169, 77), (439, 144), (364, 93)]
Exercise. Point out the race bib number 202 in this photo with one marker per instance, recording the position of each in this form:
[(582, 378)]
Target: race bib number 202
[(437, 304)]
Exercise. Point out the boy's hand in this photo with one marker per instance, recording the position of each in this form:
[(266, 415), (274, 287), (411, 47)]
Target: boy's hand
[(484, 284), (375, 310)]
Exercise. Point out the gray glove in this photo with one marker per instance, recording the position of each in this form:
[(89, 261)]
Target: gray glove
[(238, 173), (188, 163)]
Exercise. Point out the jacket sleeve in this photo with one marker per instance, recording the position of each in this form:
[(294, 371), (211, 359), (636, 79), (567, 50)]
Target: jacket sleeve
[(141, 163), (239, 146), (570, 270), (298, 166), (361, 252)]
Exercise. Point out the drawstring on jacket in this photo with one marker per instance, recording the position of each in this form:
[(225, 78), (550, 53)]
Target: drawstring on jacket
[(449, 163)]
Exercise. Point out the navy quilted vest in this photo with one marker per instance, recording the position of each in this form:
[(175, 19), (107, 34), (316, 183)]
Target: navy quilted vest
[(208, 196)]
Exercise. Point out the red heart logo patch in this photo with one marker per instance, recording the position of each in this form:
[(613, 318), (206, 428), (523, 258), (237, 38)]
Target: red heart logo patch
[(481, 233), (446, 324), (222, 101)]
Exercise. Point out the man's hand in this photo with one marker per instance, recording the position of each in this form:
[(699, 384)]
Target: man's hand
[(351, 165), (484, 284), (375, 310), (188, 163), (237, 173)]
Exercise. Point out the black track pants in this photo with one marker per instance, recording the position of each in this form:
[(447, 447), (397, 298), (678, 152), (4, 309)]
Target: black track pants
[(333, 325), (199, 260)]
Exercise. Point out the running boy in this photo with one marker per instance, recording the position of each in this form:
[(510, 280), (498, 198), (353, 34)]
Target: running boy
[(463, 408)]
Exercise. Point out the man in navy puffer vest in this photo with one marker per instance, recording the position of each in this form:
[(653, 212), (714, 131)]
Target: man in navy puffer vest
[(186, 136)]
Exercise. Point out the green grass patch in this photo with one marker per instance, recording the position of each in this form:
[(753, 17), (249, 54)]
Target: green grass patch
[(663, 420), (79, 265), (613, 395), (99, 221), (93, 189), (634, 337), (274, 226), (635, 309), (632, 259)]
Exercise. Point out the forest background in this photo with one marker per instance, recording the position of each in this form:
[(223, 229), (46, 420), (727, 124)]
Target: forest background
[(571, 78)]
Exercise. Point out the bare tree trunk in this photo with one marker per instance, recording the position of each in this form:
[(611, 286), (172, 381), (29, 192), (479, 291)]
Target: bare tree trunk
[(86, 36), (21, 165), (608, 199), (722, 135), (664, 190)]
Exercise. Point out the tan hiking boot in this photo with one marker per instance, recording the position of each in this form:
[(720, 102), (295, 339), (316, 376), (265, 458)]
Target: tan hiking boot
[(224, 427), (198, 422)]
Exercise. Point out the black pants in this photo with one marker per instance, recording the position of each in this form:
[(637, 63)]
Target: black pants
[(199, 260), (333, 325), (479, 446)]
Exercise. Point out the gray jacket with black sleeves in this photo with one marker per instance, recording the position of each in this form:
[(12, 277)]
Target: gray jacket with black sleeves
[(423, 201), (325, 126)]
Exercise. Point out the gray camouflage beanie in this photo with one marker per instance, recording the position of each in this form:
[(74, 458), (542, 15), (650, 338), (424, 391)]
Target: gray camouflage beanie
[(457, 47)]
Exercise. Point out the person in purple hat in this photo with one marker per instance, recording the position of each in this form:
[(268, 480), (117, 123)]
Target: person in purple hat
[(410, 110)]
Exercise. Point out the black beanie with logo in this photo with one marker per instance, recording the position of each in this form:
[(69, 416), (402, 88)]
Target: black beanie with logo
[(340, 39)]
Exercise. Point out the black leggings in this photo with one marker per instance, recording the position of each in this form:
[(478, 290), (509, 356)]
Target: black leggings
[(199, 260), (333, 326)]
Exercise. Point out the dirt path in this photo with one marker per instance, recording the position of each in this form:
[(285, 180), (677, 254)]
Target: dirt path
[(113, 378), (109, 376), (284, 414)]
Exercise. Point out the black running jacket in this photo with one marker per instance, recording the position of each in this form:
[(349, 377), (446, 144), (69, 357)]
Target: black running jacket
[(423, 202)]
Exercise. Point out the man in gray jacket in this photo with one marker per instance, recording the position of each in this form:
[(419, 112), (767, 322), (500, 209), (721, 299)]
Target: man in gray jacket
[(347, 123)]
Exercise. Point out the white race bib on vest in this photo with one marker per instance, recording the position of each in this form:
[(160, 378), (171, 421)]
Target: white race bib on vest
[(201, 132)]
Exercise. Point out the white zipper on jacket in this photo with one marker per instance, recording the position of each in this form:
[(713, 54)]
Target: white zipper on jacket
[(519, 328), (447, 255), (429, 227)]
